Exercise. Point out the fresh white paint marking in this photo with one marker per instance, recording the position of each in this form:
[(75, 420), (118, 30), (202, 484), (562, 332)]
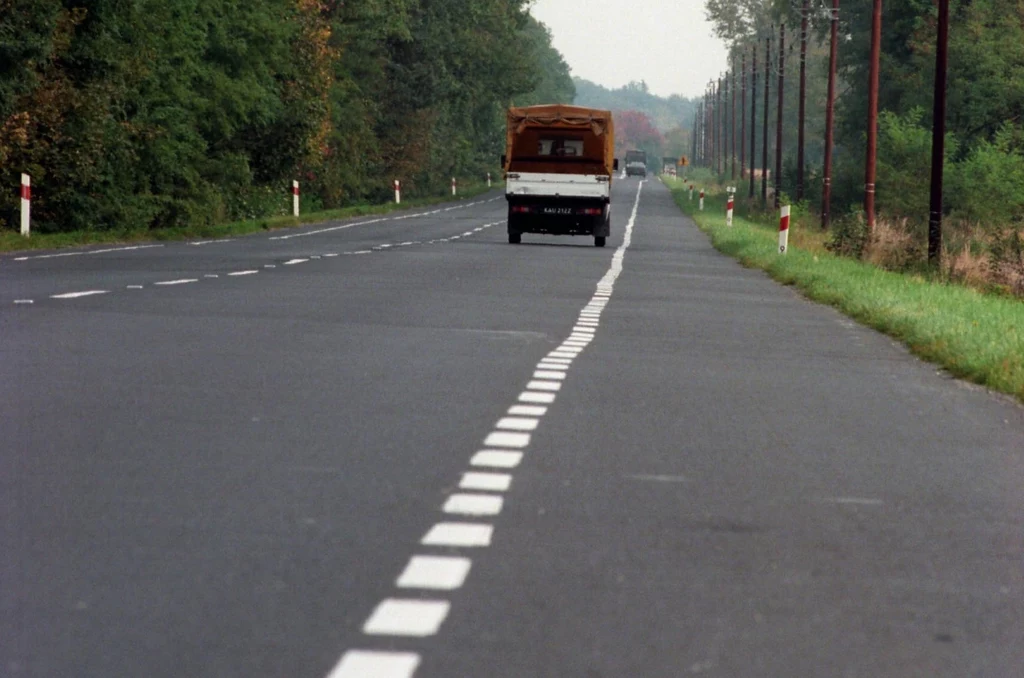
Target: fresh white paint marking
[(496, 459), (76, 295), (24, 301), (544, 374), (517, 424), (505, 439), (82, 254), (399, 617), (365, 663), (544, 386), (474, 504), (563, 354), (545, 365), (440, 573), (331, 254), (135, 287), (292, 262), (459, 535), (528, 410), (243, 273), (534, 397), (557, 361), (363, 252), (182, 281), (487, 482)]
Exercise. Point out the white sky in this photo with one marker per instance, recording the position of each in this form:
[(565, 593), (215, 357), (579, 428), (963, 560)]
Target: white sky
[(665, 42)]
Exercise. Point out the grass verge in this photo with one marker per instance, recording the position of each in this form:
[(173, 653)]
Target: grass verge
[(973, 335), (11, 241)]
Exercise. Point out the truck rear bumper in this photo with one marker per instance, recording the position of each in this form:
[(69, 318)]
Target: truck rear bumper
[(559, 216)]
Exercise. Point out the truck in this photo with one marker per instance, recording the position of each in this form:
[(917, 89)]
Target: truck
[(636, 163), (559, 161)]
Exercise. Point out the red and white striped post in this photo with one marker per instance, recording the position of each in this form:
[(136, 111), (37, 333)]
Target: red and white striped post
[(26, 204), (454, 189), (702, 200), (398, 192), (783, 229), (295, 198), (730, 205), (488, 180)]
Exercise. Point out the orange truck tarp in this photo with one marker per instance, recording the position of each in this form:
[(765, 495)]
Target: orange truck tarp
[(527, 125)]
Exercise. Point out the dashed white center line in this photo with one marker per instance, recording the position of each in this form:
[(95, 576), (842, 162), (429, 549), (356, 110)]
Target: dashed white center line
[(488, 482), (503, 439), (439, 573), (211, 275), (496, 459), (237, 273), (518, 423), (292, 262), (473, 504), (183, 281), (77, 295), (24, 301), (134, 287), (459, 535), (397, 617), (528, 410), (364, 663), (544, 386)]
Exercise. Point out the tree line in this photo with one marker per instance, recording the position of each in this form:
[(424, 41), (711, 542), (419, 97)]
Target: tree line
[(985, 128), (159, 113)]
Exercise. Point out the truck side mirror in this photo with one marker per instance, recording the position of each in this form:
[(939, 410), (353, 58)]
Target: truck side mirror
[(503, 159), (615, 165)]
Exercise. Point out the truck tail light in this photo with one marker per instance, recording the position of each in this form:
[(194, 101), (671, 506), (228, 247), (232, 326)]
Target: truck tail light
[(592, 211), (520, 209)]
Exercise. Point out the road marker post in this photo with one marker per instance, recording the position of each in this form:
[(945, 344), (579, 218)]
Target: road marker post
[(26, 205), (730, 205), (398, 192), (295, 198), (454, 190), (488, 180), (691, 192), (702, 200), (783, 229)]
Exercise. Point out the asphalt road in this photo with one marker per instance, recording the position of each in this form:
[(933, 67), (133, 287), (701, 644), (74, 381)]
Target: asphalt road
[(405, 447)]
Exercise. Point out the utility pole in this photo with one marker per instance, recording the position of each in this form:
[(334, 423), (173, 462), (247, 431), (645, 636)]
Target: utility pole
[(753, 117), (938, 136), (869, 170), (743, 113), (732, 111), (764, 129), (777, 179), (830, 111), (803, 102), (719, 128)]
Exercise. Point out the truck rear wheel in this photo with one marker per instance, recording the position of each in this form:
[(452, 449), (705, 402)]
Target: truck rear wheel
[(515, 238), (599, 241)]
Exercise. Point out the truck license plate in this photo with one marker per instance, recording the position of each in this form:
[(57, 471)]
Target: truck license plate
[(557, 210)]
